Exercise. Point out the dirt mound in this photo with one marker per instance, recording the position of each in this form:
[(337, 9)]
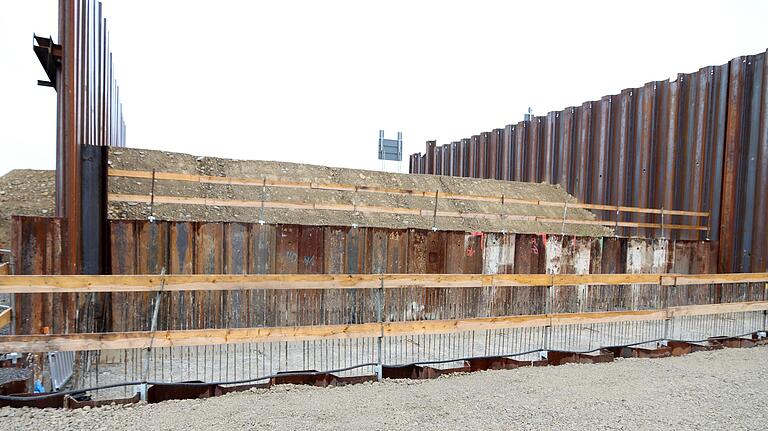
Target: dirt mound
[(24, 192), (193, 197)]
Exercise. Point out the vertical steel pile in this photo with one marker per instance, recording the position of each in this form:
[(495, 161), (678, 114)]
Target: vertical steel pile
[(698, 143), (89, 118)]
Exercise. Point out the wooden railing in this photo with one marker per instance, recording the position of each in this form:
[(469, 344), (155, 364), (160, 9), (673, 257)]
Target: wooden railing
[(500, 199), (219, 282), (381, 328), (202, 337)]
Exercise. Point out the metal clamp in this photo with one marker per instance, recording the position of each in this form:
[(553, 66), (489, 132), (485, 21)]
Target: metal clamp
[(434, 213)]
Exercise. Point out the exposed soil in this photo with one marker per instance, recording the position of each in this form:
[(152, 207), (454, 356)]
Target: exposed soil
[(24, 192), (31, 192), (147, 160), (715, 390)]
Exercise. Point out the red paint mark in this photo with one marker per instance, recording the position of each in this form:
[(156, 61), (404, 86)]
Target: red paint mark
[(534, 247), (470, 251)]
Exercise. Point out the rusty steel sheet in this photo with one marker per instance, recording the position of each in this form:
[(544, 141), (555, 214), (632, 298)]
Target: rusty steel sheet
[(310, 249), (430, 157), (506, 154), (745, 170), (482, 155), (397, 251), (530, 255), (80, 68), (144, 247), (696, 143), (464, 157), (455, 252), (494, 146), (123, 249), (455, 149), (376, 257), (36, 243)]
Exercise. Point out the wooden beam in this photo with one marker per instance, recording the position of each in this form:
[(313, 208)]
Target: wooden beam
[(708, 309), (4, 269), (153, 283), (624, 224), (272, 182), (175, 283), (685, 279), (187, 200), (5, 317), (202, 337), (143, 339), (220, 282), (604, 279)]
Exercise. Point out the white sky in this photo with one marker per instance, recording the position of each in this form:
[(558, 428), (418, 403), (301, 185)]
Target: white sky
[(314, 81)]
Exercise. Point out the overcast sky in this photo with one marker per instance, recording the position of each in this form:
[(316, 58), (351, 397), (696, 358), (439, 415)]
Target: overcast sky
[(314, 81)]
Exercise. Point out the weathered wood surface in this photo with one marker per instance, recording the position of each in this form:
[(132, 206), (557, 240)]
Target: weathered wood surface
[(5, 316), (176, 338), (221, 282), (229, 249), (362, 208), (272, 182)]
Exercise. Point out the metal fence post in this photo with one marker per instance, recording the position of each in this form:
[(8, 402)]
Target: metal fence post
[(665, 306), (548, 310), (153, 329), (380, 339)]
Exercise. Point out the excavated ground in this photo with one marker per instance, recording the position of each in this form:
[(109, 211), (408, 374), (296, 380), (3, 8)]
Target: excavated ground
[(147, 160), (715, 390), (24, 192), (31, 192)]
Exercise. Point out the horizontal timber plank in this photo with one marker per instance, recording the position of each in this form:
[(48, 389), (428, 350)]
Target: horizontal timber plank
[(625, 224), (708, 309), (188, 200), (220, 282), (203, 337), (605, 279), (172, 176), (138, 340), (153, 283), (5, 316), (752, 277)]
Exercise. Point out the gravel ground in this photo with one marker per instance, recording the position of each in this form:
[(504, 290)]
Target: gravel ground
[(708, 390)]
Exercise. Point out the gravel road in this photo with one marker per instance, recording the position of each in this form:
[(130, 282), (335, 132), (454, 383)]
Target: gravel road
[(723, 389)]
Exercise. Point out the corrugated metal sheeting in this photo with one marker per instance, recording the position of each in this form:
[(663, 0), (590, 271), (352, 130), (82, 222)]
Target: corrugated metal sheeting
[(80, 68), (699, 143), (143, 247)]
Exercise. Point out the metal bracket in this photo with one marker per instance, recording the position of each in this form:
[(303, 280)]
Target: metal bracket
[(380, 338), (50, 55), (434, 212), (263, 197), (151, 217), (565, 213)]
